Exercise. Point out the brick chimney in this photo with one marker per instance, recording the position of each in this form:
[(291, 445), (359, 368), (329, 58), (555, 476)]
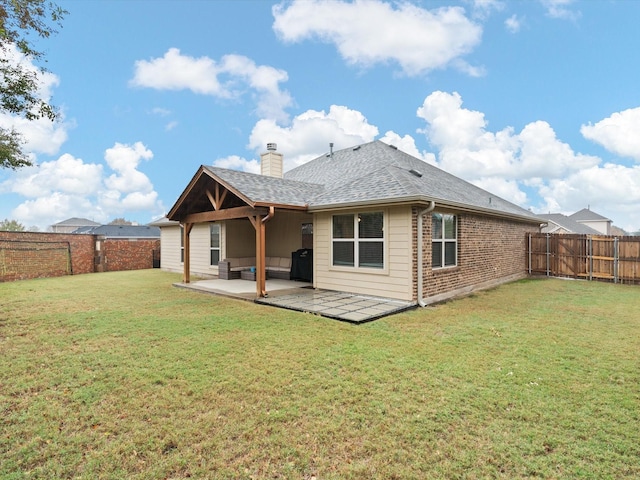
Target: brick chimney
[(271, 162)]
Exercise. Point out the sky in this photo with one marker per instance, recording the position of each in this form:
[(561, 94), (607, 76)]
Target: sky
[(535, 101)]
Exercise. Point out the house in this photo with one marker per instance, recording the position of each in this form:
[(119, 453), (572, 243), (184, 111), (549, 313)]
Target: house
[(592, 219), (71, 224), (562, 224), (380, 221)]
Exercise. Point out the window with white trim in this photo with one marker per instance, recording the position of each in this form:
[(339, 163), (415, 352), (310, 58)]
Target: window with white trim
[(214, 234), (358, 240), (444, 243)]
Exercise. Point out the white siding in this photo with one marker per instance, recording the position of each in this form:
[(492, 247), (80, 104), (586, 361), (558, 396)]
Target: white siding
[(395, 281), (170, 249), (201, 251)]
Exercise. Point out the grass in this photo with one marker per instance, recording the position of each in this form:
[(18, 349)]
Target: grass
[(120, 375)]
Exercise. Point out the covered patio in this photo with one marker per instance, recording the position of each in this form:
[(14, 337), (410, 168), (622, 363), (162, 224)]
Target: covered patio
[(302, 297)]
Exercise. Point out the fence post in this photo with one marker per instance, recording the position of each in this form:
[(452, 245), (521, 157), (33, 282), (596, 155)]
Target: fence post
[(548, 253), (615, 260), (590, 257), (529, 253)]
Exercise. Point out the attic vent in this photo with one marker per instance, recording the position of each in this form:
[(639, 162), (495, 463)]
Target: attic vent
[(417, 173), (394, 147), (272, 147), (356, 148)]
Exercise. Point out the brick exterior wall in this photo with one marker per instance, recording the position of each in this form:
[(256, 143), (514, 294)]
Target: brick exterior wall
[(116, 254), (490, 251), (26, 255)]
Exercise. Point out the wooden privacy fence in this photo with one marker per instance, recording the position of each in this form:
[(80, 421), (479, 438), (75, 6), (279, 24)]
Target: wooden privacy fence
[(590, 257)]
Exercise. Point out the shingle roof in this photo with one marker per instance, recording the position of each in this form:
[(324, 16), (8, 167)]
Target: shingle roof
[(568, 224), (369, 174), (76, 222), (376, 172), (124, 231), (586, 215), (268, 190)]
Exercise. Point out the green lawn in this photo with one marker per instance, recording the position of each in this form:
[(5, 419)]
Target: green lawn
[(121, 375)]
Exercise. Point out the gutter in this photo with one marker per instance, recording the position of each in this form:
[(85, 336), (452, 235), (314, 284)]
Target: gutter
[(421, 299), (461, 207)]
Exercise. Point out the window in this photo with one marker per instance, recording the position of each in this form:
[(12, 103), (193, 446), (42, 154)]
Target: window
[(444, 244), (214, 233), (358, 240)]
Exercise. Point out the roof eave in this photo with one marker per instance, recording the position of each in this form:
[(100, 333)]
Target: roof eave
[(422, 199)]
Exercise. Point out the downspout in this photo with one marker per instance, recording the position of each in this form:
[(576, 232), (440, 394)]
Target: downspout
[(421, 300)]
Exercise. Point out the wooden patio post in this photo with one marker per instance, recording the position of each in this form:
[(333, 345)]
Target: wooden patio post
[(186, 275), (261, 280), (261, 248)]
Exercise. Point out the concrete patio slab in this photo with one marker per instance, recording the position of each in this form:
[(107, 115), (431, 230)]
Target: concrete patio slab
[(300, 296)]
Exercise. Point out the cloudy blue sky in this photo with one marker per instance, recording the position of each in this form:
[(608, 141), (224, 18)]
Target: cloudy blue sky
[(535, 101)]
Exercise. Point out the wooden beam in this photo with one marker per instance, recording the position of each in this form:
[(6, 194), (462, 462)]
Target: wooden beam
[(261, 282), (220, 198), (261, 249), (186, 276), (211, 199), (217, 199), (225, 214)]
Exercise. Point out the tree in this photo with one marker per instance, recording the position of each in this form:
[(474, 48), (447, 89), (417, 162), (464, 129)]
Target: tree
[(11, 226), (120, 221), (20, 22)]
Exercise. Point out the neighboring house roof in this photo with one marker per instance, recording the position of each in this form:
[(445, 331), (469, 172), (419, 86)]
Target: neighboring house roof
[(586, 215), (567, 224), (123, 231), (76, 222), (163, 222), (370, 174)]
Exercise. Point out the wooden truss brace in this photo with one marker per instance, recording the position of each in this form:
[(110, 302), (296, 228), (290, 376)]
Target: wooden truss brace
[(216, 201)]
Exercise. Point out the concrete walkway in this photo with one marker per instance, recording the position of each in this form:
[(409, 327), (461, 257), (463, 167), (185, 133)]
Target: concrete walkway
[(300, 296)]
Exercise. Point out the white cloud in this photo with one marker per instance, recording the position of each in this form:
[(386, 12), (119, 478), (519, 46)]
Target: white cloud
[(484, 8), (229, 78), (69, 187), (617, 133), (310, 133), (560, 9), (503, 188), (369, 32), (513, 24), (611, 190), (235, 162), (468, 149), (66, 175), (510, 164), (408, 145)]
